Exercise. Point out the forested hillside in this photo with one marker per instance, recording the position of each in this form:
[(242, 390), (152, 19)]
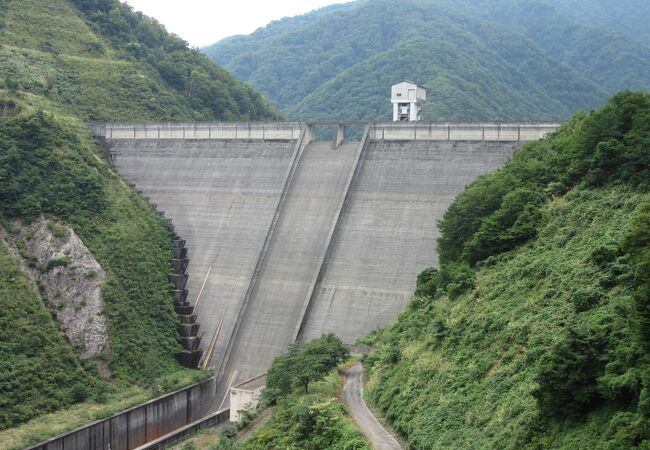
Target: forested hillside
[(100, 60), (504, 59), (615, 59), (629, 17), (62, 63), (535, 330)]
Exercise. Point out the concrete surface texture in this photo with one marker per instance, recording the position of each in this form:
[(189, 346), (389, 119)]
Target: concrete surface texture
[(352, 396), (262, 224), (316, 190), (387, 233), (222, 196)]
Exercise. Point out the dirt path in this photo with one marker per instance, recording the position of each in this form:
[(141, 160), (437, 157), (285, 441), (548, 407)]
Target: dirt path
[(257, 423), (379, 438)]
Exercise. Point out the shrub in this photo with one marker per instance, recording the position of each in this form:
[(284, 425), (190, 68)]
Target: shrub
[(56, 262), (569, 371), (427, 282)]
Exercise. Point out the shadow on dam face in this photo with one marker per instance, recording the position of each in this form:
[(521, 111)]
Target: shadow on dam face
[(291, 237)]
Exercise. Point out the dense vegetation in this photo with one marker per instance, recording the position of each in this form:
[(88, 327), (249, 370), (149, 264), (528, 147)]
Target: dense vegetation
[(303, 364), (625, 16), (479, 59), (310, 421), (303, 385), (101, 61), (62, 63), (613, 60), (28, 339), (46, 167), (534, 332)]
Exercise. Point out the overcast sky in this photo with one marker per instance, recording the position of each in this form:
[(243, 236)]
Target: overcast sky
[(203, 22)]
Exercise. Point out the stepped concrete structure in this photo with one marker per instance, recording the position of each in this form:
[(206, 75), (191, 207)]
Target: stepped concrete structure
[(289, 237)]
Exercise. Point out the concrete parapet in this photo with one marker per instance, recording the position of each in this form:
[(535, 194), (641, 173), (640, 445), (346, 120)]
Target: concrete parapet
[(179, 253), (389, 131), (268, 131), (189, 358), (187, 318), (462, 131), (180, 265), (188, 329), (178, 243), (190, 342), (179, 295), (184, 309), (178, 280)]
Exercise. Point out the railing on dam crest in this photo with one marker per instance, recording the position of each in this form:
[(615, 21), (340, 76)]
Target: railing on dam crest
[(283, 131)]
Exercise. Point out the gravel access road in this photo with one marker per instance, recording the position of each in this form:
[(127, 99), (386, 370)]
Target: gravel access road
[(379, 438)]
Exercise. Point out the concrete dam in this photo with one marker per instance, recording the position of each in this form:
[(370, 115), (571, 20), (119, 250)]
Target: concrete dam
[(291, 237)]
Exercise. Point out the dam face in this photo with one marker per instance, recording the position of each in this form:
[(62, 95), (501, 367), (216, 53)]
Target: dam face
[(290, 238)]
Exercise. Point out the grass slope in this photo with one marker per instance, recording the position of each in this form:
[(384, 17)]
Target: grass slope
[(534, 331), (102, 61), (47, 167)]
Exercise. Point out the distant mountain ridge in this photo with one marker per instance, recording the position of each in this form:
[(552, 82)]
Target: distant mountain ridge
[(504, 59)]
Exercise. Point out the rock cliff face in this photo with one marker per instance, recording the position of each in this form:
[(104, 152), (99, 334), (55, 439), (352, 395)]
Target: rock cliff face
[(70, 281)]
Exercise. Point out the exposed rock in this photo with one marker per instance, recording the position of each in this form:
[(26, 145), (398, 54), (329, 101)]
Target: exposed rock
[(70, 281)]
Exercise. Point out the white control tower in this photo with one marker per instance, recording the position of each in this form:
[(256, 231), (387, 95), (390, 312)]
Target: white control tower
[(407, 98)]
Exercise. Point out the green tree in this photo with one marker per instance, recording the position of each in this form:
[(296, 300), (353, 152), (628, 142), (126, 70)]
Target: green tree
[(303, 364)]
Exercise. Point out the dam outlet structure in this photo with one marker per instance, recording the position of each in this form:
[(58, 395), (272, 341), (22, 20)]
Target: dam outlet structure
[(292, 237)]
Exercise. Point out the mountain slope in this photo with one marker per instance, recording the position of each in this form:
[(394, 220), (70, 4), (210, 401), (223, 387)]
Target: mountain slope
[(630, 17), (533, 332), (62, 63), (610, 58), (517, 59), (29, 338), (102, 61)]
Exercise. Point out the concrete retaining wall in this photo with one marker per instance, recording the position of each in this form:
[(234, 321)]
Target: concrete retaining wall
[(246, 396), (141, 424), (187, 431)]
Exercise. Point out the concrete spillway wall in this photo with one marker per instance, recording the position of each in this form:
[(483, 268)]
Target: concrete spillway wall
[(292, 238)]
